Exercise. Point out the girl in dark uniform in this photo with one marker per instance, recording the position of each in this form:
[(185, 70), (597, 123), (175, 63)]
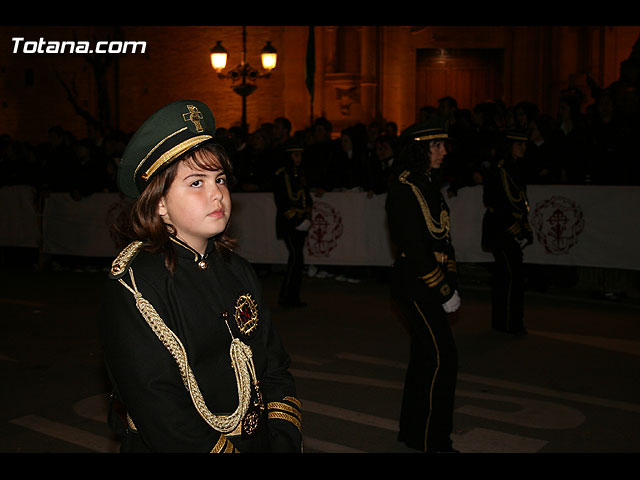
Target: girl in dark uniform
[(293, 219), (506, 231), (188, 340), (424, 288)]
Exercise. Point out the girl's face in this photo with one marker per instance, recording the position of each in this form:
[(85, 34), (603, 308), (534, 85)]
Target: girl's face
[(197, 204), (346, 143), (438, 151), (518, 149)]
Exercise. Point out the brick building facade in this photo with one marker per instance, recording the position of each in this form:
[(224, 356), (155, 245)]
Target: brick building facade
[(363, 73)]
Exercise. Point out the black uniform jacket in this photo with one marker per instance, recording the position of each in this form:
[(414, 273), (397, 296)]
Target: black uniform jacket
[(194, 303), (292, 198), (505, 198), (418, 219)]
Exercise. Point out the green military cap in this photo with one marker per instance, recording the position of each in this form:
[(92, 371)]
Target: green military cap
[(164, 137), (516, 135), (432, 129)]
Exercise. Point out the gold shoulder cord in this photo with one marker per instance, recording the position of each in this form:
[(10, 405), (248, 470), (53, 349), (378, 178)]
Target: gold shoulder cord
[(506, 178), (299, 194), (241, 361), (439, 229)]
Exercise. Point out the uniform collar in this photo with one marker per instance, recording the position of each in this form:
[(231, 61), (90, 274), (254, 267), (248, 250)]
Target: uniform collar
[(183, 250)]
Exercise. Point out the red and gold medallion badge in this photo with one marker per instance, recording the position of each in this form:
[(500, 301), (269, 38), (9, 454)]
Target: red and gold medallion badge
[(246, 314)]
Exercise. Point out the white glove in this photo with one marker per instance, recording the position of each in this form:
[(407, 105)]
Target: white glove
[(524, 243), (304, 226), (452, 304)]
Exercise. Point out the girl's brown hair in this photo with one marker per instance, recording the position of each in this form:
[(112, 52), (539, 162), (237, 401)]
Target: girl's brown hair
[(145, 223)]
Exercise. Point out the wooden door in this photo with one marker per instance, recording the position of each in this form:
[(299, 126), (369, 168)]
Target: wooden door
[(470, 76)]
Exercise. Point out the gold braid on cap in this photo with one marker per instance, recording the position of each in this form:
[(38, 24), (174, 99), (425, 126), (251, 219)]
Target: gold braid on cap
[(241, 361)]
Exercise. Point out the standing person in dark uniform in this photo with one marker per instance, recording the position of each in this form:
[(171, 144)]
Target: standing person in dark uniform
[(505, 232), (423, 288), (188, 340), (293, 219)]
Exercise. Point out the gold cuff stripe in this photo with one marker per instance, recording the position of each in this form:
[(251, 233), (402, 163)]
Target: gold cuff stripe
[(172, 153), (217, 448), (293, 400), (223, 445), (435, 281), (451, 266), (433, 278), (432, 274), (515, 229), (285, 416), (285, 407)]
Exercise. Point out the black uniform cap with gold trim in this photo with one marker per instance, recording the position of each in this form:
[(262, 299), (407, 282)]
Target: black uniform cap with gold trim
[(164, 137), (515, 135), (433, 129), (293, 145)]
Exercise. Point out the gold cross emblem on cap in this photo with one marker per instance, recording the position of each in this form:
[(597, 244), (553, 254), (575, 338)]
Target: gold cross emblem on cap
[(194, 116)]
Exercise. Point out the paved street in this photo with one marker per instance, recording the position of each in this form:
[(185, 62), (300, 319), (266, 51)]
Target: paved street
[(570, 386)]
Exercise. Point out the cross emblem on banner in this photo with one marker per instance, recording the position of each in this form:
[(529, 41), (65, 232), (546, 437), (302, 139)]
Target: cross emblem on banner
[(558, 220), (194, 116)]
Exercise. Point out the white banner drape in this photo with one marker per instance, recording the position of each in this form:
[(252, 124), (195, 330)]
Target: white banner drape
[(81, 227), (589, 226), (19, 220), (573, 225), (348, 229)]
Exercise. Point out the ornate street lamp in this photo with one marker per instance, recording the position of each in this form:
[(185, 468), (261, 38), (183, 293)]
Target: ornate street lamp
[(243, 76)]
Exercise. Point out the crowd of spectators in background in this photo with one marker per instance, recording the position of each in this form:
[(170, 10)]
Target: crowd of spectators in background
[(579, 146)]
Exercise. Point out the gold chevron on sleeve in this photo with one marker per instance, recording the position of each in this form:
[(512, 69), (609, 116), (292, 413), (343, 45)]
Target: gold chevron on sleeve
[(433, 278), (287, 410), (223, 445), (514, 229)]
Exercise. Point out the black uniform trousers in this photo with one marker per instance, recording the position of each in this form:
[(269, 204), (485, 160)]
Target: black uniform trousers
[(426, 417), (291, 285), (507, 295)]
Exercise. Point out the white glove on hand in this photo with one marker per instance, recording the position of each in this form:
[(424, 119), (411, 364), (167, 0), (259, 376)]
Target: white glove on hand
[(452, 304), (524, 243), (304, 226)]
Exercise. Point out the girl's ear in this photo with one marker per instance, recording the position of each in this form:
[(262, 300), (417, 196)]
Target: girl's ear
[(162, 208)]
